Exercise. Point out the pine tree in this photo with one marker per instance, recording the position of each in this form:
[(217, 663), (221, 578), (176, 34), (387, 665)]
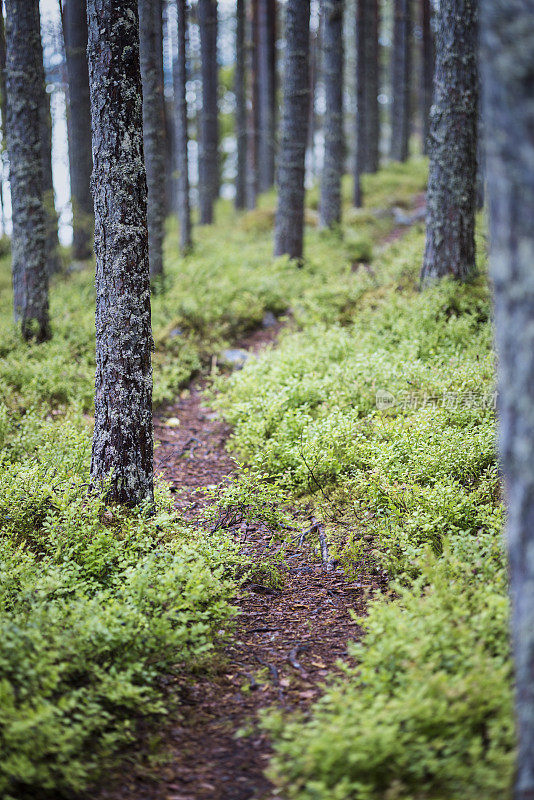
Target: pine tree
[(122, 456), (266, 92), (53, 260), (209, 119), (151, 54), (74, 18), (507, 58), (25, 89), (401, 78), (330, 204), (366, 157), (181, 132), (240, 107), (427, 70), (289, 226), (253, 115), (451, 195)]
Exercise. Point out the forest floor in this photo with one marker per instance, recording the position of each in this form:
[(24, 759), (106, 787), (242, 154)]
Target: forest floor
[(289, 640)]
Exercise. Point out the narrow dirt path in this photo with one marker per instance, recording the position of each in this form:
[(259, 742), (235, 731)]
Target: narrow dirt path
[(286, 643)]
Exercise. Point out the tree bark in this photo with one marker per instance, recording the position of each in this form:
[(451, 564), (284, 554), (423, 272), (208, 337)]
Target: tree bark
[(451, 194), (372, 88), (25, 88), (427, 70), (253, 117), (401, 78), (362, 127), (289, 227), (181, 130), (74, 18), (507, 59), (122, 457), (53, 260), (209, 121), (266, 91), (240, 108), (334, 150), (151, 55)]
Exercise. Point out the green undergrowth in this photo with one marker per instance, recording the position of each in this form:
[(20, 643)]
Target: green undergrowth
[(96, 605), (384, 420)]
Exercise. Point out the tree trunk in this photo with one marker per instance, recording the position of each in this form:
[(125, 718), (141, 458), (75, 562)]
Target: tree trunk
[(151, 55), (53, 260), (122, 457), (289, 227), (507, 59), (451, 200), (25, 88), (182, 138), (427, 70), (313, 70), (330, 205), (253, 119), (372, 87), (240, 108), (401, 78), (79, 127), (362, 127), (266, 89), (209, 121)]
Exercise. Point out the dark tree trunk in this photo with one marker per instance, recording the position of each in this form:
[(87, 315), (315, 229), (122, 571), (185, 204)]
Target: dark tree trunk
[(79, 127), (181, 132), (266, 91), (289, 228), (330, 206), (507, 58), (372, 88), (25, 88), (53, 260), (151, 55), (401, 78), (240, 108), (253, 119), (451, 200), (481, 160), (209, 120), (122, 457), (362, 127), (427, 70)]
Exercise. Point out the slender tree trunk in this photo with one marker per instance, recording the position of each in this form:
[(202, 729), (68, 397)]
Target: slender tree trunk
[(427, 70), (25, 88), (151, 55), (253, 120), (53, 260), (362, 127), (401, 78), (289, 227), (507, 58), (313, 66), (240, 108), (122, 457), (209, 121), (79, 127), (349, 46), (330, 206), (266, 88), (182, 137), (451, 200), (372, 87)]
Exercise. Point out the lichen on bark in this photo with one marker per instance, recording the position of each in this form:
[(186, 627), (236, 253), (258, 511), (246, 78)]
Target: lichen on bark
[(25, 89), (451, 195), (122, 453)]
